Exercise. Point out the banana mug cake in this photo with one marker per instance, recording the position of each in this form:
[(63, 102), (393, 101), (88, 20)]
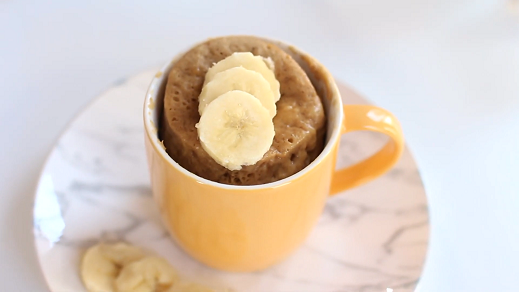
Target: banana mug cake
[(239, 110)]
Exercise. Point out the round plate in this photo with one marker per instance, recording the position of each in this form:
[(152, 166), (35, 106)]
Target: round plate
[(95, 187)]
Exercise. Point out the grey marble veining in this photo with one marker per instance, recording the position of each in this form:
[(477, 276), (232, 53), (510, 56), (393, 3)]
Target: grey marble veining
[(95, 187)]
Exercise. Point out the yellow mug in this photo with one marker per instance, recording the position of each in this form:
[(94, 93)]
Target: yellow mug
[(248, 228)]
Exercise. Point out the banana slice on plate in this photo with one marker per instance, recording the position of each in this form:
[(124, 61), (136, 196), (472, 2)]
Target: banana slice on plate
[(264, 66), (238, 78), (235, 129), (149, 274), (102, 263)]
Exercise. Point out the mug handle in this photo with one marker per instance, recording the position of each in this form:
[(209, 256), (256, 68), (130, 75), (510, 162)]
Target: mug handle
[(375, 119)]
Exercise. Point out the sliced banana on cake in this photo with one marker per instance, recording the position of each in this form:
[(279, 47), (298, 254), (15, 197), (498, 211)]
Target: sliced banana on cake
[(238, 78), (250, 62), (102, 263), (236, 130), (149, 274)]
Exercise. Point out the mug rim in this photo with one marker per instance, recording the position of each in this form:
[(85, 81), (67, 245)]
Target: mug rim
[(152, 130)]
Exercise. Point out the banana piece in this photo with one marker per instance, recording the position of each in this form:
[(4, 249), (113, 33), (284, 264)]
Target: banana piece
[(101, 265), (238, 78), (264, 66), (235, 130), (149, 274), (189, 287)]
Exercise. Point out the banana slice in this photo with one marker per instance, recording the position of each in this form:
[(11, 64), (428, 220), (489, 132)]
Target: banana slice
[(235, 130), (102, 263), (149, 274), (238, 78), (247, 60), (189, 287)]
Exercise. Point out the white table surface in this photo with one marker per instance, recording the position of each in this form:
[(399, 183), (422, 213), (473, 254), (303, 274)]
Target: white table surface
[(448, 69)]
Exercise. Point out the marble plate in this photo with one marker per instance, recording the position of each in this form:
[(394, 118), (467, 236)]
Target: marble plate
[(95, 187)]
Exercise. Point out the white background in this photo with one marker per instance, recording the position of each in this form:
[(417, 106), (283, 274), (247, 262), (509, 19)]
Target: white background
[(448, 69)]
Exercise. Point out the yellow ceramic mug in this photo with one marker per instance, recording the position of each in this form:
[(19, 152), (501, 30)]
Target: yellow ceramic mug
[(247, 228)]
